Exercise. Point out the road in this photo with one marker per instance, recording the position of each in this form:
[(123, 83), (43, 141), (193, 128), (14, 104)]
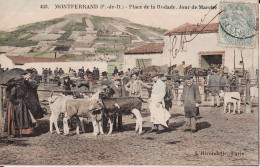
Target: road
[(222, 139)]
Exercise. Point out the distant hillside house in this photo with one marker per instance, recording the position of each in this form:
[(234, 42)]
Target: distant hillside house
[(22, 61), (203, 49), (144, 56)]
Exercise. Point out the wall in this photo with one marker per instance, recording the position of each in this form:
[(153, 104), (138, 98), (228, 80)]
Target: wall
[(208, 42), (6, 62), (130, 59)]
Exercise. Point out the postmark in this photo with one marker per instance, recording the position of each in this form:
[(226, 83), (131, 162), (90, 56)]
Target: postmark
[(237, 26)]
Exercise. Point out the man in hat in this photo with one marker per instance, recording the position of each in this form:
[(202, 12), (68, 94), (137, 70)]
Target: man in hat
[(128, 73), (87, 71), (134, 86), (159, 115), (105, 82), (214, 87), (98, 74), (94, 74), (168, 95), (56, 71), (115, 71), (191, 99), (61, 71), (124, 81), (233, 81), (116, 92), (67, 83), (224, 82), (177, 82), (82, 85)]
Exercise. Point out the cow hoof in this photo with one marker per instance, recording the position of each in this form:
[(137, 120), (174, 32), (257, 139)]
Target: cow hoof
[(141, 133), (233, 113)]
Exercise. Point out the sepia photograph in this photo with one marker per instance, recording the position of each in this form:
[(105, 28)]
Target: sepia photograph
[(128, 82)]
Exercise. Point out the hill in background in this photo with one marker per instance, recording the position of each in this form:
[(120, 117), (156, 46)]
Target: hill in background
[(79, 37)]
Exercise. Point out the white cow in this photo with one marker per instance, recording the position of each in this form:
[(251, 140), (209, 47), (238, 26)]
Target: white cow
[(86, 108), (57, 106), (231, 97)]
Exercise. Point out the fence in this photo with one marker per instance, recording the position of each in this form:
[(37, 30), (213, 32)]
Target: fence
[(244, 91)]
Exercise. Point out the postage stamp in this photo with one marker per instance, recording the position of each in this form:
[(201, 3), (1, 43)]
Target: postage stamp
[(129, 82), (237, 24)]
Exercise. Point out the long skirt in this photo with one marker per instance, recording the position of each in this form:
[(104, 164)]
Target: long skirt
[(18, 120)]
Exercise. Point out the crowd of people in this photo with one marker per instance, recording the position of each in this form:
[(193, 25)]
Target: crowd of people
[(21, 114), (213, 83)]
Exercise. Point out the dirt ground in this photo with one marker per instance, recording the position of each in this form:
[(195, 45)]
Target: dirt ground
[(222, 139)]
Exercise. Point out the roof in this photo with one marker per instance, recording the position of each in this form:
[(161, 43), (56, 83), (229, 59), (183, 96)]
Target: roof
[(188, 28), (23, 59), (149, 48)]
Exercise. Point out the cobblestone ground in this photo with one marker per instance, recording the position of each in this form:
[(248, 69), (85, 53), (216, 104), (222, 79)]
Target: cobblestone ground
[(232, 138)]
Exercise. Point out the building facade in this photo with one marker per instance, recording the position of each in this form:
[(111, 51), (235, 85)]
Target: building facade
[(143, 56), (198, 45)]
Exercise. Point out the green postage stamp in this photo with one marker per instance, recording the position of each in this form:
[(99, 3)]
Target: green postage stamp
[(237, 24)]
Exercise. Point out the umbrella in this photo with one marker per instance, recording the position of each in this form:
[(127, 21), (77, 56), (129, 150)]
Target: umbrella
[(11, 74)]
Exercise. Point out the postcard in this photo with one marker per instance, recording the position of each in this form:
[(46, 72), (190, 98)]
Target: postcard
[(127, 82)]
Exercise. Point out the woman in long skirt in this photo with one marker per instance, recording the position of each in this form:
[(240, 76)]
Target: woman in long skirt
[(19, 119)]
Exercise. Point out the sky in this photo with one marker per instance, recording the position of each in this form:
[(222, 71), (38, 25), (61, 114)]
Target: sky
[(19, 12)]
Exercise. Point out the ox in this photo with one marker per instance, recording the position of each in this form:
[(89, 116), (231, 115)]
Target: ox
[(124, 105), (231, 97), (86, 108), (57, 106)]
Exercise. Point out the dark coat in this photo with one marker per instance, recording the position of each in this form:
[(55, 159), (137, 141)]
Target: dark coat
[(190, 97), (67, 86), (233, 83), (115, 71), (168, 98), (214, 84), (224, 82), (32, 100), (177, 80), (124, 81)]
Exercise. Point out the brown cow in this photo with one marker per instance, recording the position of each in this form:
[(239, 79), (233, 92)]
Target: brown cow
[(123, 106), (86, 108)]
